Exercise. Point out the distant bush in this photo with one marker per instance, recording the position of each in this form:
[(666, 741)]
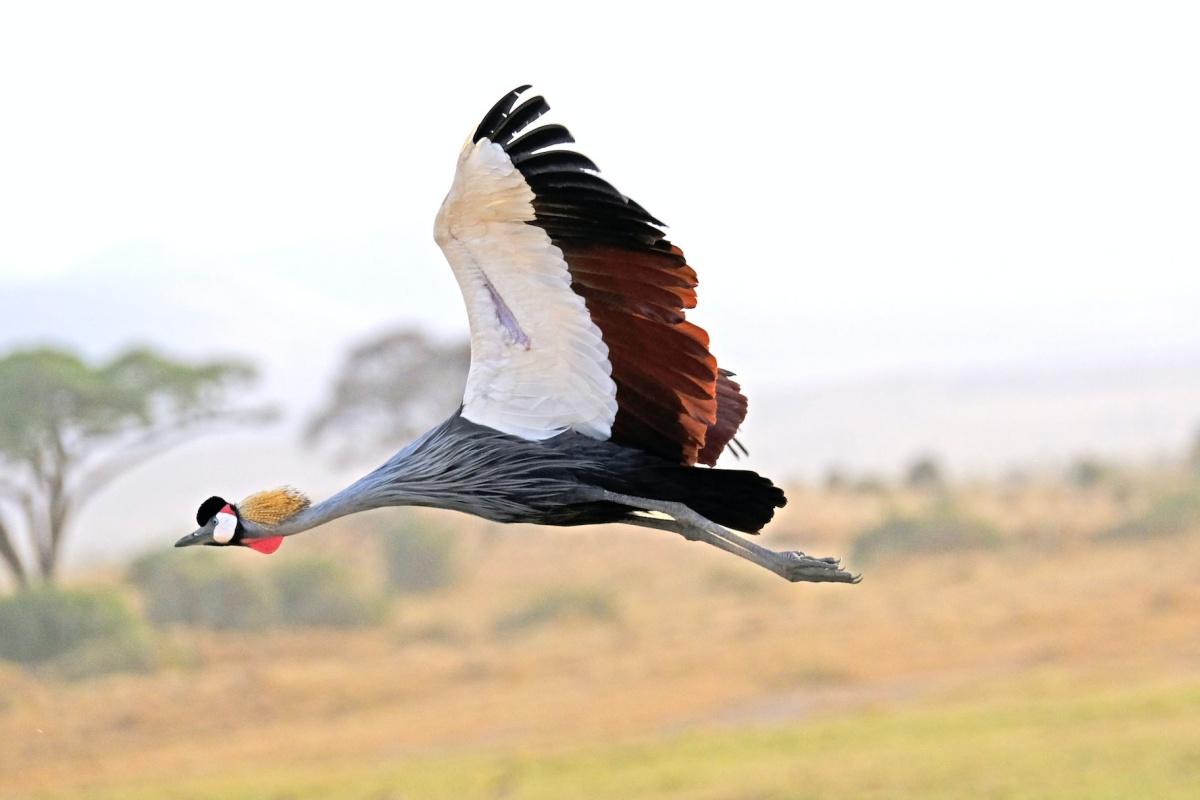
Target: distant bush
[(132, 653), (443, 632), (924, 473), (318, 591), (419, 557), (1088, 472), (869, 484), (940, 531), (557, 604), (835, 480), (82, 633), (201, 588), (209, 590), (1170, 515)]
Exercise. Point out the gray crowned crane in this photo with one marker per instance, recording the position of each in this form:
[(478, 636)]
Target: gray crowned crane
[(590, 398)]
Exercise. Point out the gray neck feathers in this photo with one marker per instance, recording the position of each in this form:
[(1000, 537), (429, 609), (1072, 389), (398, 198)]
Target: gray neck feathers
[(458, 465), (464, 466)]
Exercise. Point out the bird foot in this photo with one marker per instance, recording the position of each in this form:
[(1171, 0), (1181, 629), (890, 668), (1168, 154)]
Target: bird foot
[(796, 566)]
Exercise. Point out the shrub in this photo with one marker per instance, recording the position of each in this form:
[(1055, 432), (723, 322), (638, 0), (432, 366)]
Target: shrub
[(924, 473), (1170, 515), (869, 484), (443, 632), (835, 480), (1088, 472), (318, 591), (132, 653), (940, 531), (84, 632), (207, 589), (201, 588), (557, 604), (419, 557)]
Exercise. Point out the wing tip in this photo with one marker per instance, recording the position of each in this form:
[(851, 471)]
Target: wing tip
[(499, 113)]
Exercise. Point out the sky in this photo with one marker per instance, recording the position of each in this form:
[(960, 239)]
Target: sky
[(867, 190)]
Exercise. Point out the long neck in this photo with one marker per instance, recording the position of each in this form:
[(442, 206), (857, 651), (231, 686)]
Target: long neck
[(458, 465), (350, 500), (384, 486)]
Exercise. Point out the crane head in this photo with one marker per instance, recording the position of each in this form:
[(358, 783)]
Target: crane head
[(221, 526)]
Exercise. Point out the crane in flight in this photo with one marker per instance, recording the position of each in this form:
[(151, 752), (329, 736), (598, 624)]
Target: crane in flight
[(590, 398)]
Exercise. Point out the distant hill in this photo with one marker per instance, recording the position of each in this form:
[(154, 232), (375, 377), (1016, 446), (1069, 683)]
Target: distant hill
[(979, 422)]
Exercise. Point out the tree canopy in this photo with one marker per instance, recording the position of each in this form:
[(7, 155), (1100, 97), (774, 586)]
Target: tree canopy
[(389, 390), (68, 427)]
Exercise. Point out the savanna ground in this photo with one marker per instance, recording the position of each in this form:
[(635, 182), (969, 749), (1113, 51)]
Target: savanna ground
[(1055, 654)]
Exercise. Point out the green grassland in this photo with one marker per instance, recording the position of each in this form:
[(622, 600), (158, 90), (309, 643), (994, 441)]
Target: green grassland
[(1053, 739)]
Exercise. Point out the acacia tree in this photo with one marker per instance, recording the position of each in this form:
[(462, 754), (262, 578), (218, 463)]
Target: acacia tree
[(389, 390), (68, 428)]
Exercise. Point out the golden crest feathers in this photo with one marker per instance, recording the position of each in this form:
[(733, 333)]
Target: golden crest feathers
[(274, 505)]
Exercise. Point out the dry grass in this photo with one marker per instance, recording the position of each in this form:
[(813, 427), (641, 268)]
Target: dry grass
[(696, 644)]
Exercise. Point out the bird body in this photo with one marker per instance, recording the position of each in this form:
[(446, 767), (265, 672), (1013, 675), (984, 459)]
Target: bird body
[(463, 466), (590, 397)]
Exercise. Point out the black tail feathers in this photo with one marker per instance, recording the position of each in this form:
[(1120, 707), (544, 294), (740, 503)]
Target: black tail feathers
[(738, 499), (735, 498)]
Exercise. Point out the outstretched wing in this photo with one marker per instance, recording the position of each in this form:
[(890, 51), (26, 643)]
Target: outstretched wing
[(576, 300)]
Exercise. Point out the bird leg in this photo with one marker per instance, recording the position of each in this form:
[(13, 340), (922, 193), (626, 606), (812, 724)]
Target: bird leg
[(791, 564)]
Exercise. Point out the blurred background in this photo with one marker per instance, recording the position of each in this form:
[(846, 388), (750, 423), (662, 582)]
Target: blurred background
[(950, 250)]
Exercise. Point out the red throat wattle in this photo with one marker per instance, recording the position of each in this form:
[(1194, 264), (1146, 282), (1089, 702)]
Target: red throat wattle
[(265, 545)]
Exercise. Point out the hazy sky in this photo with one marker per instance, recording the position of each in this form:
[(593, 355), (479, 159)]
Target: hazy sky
[(861, 186), (865, 188)]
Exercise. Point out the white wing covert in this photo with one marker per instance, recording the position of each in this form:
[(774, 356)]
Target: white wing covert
[(539, 365)]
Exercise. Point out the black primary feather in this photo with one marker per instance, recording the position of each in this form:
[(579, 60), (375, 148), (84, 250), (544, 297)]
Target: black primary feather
[(537, 139), (519, 118), (555, 161), (495, 117), (577, 179)]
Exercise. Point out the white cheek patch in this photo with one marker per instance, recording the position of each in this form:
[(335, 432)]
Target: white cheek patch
[(225, 528)]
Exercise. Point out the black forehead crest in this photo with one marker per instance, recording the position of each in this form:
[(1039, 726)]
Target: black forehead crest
[(208, 509)]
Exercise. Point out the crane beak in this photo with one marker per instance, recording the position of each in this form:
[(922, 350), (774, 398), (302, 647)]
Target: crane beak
[(199, 536)]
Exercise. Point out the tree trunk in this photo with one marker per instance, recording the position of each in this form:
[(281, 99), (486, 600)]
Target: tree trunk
[(57, 526), (48, 540), (9, 555)]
